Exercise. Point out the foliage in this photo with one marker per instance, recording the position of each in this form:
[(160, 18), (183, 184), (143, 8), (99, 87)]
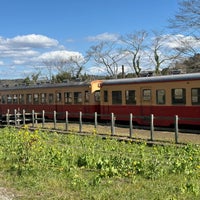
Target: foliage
[(86, 164)]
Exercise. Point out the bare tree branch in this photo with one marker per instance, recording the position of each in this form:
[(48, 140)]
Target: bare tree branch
[(106, 55), (134, 47), (187, 19)]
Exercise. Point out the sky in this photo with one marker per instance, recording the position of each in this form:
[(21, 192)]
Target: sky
[(32, 30)]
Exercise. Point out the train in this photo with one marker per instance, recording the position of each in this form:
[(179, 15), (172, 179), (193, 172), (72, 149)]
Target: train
[(163, 96)]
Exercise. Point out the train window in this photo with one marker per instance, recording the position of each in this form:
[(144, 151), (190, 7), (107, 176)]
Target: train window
[(29, 98), (160, 96), (130, 97), (77, 97), (9, 99), (97, 96), (15, 98), (87, 96), (178, 96), (195, 96), (116, 97), (43, 98), (21, 98), (105, 95), (58, 97), (146, 95), (35, 98), (51, 98), (3, 99), (68, 97)]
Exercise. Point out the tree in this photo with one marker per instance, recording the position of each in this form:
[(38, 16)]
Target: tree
[(187, 45), (63, 61), (187, 19), (52, 64), (27, 80), (61, 77), (106, 55), (32, 80), (192, 64), (134, 48), (75, 65), (162, 52), (35, 77)]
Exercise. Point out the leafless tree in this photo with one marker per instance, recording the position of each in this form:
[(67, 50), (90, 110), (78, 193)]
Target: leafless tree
[(187, 45), (161, 52), (188, 16), (75, 65), (72, 65), (187, 21), (50, 66), (133, 49), (105, 54)]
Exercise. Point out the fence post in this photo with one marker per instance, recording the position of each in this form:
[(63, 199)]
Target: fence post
[(36, 118), (176, 129), (131, 125), (152, 127), (24, 117), (112, 124), (66, 120), (80, 122), (8, 117), (18, 117), (54, 119), (15, 116), (33, 118), (43, 118), (95, 120)]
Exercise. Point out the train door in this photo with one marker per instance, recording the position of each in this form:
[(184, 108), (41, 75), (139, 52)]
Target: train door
[(146, 104), (58, 101), (106, 102)]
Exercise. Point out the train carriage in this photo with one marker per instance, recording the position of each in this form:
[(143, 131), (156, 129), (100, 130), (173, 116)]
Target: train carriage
[(72, 96), (162, 96)]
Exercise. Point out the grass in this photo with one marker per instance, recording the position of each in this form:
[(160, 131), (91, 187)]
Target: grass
[(43, 165)]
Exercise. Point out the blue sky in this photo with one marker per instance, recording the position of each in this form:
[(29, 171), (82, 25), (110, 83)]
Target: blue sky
[(31, 28)]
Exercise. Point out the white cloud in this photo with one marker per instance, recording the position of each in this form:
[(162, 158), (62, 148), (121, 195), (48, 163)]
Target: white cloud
[(32, 41), (18, 62), (25, 46), (177, 41), (55, 55), (103, 37), (26, 52), (11, 53)]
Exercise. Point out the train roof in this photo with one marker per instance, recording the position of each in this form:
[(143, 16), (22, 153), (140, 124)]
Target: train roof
[(153, 79), (44, 85)]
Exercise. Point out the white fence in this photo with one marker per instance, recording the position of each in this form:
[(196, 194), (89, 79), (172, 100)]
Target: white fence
[(23, 118)]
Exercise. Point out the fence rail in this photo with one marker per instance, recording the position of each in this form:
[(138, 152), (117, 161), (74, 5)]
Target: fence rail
[(17, 118)]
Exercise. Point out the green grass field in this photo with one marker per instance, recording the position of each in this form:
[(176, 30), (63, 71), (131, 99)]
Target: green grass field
[(43, 165)]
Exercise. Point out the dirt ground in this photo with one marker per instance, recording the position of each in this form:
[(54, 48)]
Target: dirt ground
[(138, 134)]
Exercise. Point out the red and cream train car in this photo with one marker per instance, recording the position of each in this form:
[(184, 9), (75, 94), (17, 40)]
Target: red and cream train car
[(162, 96), (73, 97)]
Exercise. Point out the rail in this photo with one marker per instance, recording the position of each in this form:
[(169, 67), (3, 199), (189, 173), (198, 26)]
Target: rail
[(17, 118)]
